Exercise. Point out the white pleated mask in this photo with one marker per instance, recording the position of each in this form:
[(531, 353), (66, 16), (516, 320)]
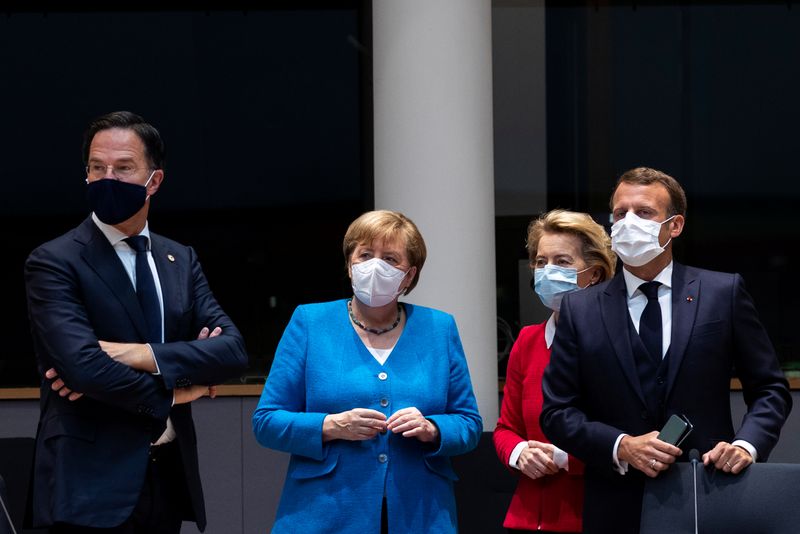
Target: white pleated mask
[(635, 240), (375, 282)]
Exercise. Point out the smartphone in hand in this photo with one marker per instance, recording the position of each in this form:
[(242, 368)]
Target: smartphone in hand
[(675, 430)]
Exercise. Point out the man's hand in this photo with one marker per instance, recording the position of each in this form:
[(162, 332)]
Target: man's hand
[(728, 458), (412, 424), (135, 355), (357, 424), (204, 334), (536, 460), (647, 453), (59, 386), (192, 393)]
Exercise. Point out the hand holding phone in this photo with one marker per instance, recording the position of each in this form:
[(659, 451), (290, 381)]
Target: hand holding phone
[(675, 430)]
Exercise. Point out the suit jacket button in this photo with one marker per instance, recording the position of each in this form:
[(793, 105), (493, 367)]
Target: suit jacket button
[(384, 402), (383, 458), (660, 380), (382, 376)]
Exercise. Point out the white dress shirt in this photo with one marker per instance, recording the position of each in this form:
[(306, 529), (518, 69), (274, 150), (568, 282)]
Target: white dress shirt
[(128, 258)]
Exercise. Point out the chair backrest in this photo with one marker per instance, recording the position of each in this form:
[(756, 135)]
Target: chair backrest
[(16, 461), (762, 499)]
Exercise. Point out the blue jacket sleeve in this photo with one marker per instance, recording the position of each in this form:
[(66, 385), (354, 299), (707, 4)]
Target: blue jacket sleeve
[(461, 426), (280, 421)]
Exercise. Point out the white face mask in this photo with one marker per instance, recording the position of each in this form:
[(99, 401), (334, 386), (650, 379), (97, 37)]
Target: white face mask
[(375, 282), (635, 240)]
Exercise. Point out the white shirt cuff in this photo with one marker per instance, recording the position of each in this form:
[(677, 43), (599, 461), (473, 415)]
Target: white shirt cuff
[(746, 446), (512, 460), (620, 467), (153, 355), (561, 458)]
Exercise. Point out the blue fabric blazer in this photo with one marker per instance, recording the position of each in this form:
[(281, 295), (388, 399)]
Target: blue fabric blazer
[(322, 367), (592, 392)]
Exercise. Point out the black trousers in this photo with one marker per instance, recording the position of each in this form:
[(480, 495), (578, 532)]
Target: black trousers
[(161, 504)]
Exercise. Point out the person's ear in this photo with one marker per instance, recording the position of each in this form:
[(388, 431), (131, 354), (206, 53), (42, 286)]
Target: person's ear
[(676, 226), (155, 182)]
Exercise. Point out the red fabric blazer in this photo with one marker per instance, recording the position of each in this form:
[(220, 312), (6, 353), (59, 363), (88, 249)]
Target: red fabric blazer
[(555, 502)]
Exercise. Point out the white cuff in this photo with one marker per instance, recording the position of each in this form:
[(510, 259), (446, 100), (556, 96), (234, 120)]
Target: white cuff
[(620, 467), (746, 446), (153, 355), (561, 458), (512, 460)]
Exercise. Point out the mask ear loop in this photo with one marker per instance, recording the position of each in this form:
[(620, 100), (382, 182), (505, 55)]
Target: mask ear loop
[(670, 237), (583, 271), (145, 184)]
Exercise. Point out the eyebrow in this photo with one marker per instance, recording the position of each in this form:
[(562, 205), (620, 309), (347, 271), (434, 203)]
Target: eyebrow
[(118, 160), (557, 257)]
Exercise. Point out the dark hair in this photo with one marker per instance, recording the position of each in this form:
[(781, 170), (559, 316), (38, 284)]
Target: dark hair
[(153, 145), (647, 176)]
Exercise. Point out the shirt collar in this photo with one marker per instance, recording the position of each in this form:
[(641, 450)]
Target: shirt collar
[(632, 282), (550, 330), (113, 235)]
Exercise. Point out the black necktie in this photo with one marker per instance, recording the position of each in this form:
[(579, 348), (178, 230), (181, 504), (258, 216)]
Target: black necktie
[(650, 323), (146, 289)]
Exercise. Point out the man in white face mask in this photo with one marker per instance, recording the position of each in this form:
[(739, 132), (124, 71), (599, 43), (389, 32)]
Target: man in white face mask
[(658, 339)]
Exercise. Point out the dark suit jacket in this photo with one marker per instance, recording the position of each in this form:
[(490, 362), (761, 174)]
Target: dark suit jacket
[(91, 454), (592, 392)]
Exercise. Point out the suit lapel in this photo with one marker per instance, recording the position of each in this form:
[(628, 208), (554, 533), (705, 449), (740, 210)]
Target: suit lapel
[(685, 299), (171, 270), (614, 313), (103, 260)]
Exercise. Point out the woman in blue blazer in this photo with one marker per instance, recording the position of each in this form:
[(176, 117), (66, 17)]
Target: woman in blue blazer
[(371, 397)]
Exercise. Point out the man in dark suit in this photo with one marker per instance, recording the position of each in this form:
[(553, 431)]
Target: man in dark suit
[(658, 339), (127, 334)]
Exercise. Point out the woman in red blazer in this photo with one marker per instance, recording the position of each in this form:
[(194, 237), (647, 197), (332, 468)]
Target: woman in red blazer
[(568, 252)]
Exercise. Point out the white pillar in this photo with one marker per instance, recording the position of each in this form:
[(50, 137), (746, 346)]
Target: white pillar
[(432, 75)]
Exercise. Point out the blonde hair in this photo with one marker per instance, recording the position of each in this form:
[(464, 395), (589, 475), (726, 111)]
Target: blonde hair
[(387, 226), (596, 248)]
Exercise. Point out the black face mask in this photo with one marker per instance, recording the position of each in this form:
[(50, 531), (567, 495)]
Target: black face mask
[(114, 201)]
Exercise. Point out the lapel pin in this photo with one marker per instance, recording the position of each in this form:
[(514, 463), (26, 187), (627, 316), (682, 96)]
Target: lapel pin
[(689, 298), (170, 257)]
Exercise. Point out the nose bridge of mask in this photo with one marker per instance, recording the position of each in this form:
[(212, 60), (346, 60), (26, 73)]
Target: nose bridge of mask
[(377, 267), (633, 224), (558, 273)]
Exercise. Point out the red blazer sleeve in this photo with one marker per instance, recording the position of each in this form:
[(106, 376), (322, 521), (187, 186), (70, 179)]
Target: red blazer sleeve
[(522, 396), (511, 426)]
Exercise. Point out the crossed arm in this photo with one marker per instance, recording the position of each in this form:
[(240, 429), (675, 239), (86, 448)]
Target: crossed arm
[(140, 357)]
